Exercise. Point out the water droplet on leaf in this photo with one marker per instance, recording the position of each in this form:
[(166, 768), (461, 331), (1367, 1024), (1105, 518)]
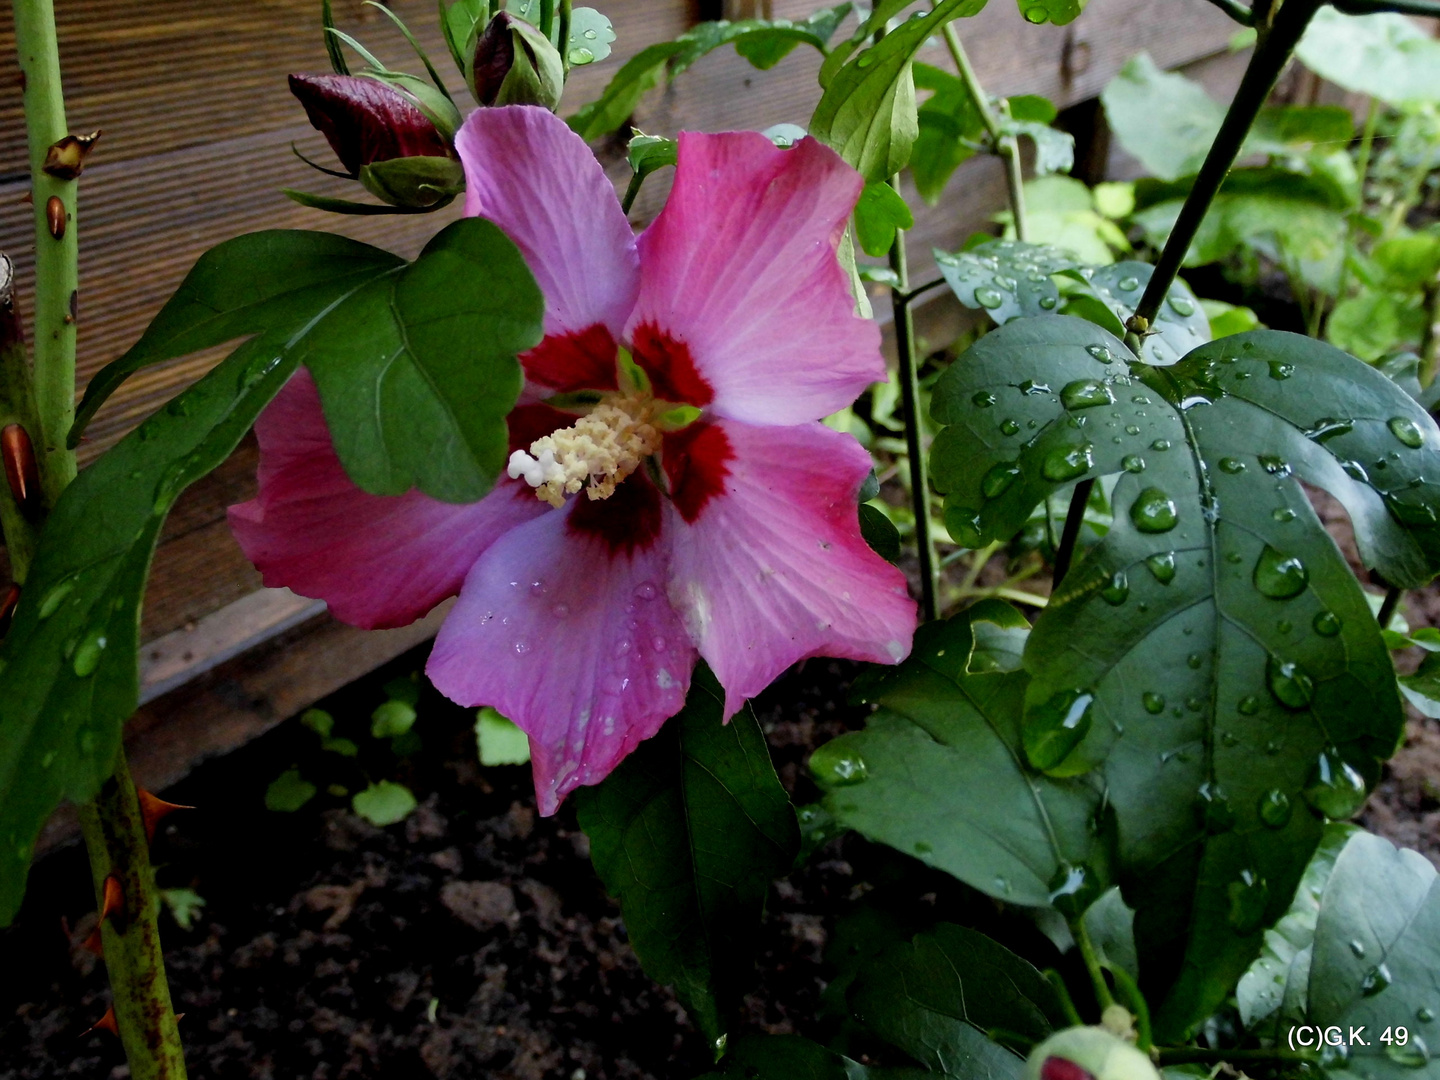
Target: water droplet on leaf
[(1248, 897), (1100, 352), (1280, 370), (1162, 566), (982, 399), (1407, 431), (1213, 808), (1376, 979), (1117, 590), (1056, 727), (1274, 808), (52, 600), (1336, 789), (1182, 306), (1073, 887), (1413, 1055), (1326, 624), (988, 298), (1132, 463), (88, 652), (1009, 427), (1153, 511), (1030, 388), (1289, 683), (1086, 394), (998, 479), (1154, 703), (1068, 462), (1048, 302), (1128, 284), (837, 765), (1279, 576)]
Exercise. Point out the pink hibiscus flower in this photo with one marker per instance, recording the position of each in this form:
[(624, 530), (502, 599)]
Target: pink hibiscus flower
[(698, 509)]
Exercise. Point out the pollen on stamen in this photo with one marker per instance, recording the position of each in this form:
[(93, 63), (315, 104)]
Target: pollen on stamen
[(597, 452)]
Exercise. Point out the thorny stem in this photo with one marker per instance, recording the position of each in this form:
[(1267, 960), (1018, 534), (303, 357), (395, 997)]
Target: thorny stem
[(1092, 963), (1362, 168), (114, 830), (112, 824), (914, 444), (1004, 146), (56, 261), (1276, 42), (1074, 518), (17, 406)]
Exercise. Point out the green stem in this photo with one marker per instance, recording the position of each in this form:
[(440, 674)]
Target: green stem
[(1362, 168), (1074, 518), (17, 406), (114, 830), (1092, 963), (1187, 1055), (1276, 43), (1135, 1002), (547, 18), (636, 183), (564, 35), (914, 444), (56, 261), (1004, 146)]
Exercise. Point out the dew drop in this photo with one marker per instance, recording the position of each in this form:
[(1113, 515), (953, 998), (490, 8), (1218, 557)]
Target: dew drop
[(1068, 462), (1031, 388), (1274, 465), (1279, 576), (1153, 511), (1154, 703), (658, 644), (623, 647), (1283, 514), (1355, 471), (1274, 808), (982, 399), (1055, 727), (52, 600), (1280, 370), (1128, 284), (998, 478), (988, 298), (1425, 1014), (1232, 465), (1182, 306), (1376, 979), (1048, 302), (1118, 589), (1132, 429), (1036, 15), (1413, 1055), (1002, 886), (963, 524), (1160, 444), (1193, 661), (1326, 624), (521, 648), (1009, 427), (1162, 566), (580, 55), (646, 590), (1291, 686), (1413, 514), (1212, 807), (1357, 948), (1336, 789), (1086, 394), (1248, 897), (1100, 352), (837, 765), (88, 652), (1073, 887), (1407, 431)]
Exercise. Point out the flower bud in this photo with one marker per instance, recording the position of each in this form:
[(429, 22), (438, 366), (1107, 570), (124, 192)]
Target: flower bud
[(366, 120), (515, 64), (1079, 1053)]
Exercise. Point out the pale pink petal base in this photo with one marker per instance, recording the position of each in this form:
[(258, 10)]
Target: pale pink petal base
[(526, 171), (573, 642), (740, 266), (775, 570), (377, 561)]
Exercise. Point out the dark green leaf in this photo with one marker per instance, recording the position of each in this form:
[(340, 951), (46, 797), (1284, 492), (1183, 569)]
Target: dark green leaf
[(789, 1057), (879, 213), (1180, 325), (766, 44), (942, 996), (650, 152), (1374, 958), (880, 533), (1422, 689), (1007, 278), (950, 128), (69, 667), (1232, 667), (332, 205), (938, 774), (688, 833), (1384, 55), (867, 112)]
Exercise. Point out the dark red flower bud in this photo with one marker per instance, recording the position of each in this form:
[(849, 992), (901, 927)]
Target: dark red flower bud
[(366, 120), (1058, 1068), (515, 64)]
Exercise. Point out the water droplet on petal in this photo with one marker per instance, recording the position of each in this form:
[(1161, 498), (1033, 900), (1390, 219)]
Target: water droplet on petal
[(1086, 394), (1274, 808), (1291, 686), (1153, 511), (1279, 576), (646, 590), (1407, 431), (998, 478), (836, 764), (1068, 462), (521, 648), (1336, 789)]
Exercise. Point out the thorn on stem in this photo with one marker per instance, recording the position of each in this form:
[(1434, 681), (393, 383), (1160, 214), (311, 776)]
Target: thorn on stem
[(20, 469), (65, 160), (152, 809), (106, 1023), (114, 898)]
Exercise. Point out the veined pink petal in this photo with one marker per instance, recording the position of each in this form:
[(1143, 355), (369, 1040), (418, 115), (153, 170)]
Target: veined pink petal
[(536, 179), (740, 287), (566, 631), (378, 561), (774, 569)]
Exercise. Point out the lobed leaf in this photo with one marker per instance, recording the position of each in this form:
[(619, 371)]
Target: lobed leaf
[(687, 833)]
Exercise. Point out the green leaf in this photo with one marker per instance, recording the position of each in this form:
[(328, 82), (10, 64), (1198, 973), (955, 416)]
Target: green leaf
[(941, 996), (938, 774), (69, 667), (391, 719), (1276, 687), (591, 36), (950, 129), (1058, 12), (1409, 262), (880, 211), (1422, 689), (460, 23), (1054, 149), (1276, 977), (1227, 319), (647, 153), (184, 906), (1374, 959), (764, 42), (789, 1057), (1061, 212), (867, 113), (1371, 324), (318, 721), (1180, 325), (1007, 278), (499, 740), (288, 792), (1385, 55), (880, 533), (688, 833), (385, 803)]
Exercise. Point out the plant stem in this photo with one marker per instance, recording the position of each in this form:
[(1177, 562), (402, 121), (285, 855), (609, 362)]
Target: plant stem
[(564, 35), (547, 18), (17, 406), (115, 837), (1092, 962), (1003, 146), (1430, 339), (914, 444), (1074, 518), (1276, 42), (1388, 606), (1237, 11), (1362, 168), (56, 261), (637, 181)]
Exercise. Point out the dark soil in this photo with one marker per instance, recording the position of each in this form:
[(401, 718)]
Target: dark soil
[(474, 939)]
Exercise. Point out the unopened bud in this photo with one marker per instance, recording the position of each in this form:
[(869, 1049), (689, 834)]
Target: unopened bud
[(1088, 1053), (515, 64)]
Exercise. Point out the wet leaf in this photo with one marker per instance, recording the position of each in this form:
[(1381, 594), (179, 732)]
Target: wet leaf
[(950, 128), (1058, 12), (1239, 690), (938, 773), (1006, 278), (687, 833), (879, 213), (940, 996), (1180, 325)]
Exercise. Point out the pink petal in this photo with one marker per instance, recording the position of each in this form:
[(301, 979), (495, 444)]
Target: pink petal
[(378, 561), (536, 179), (565, 629), (741, 288), (774, 569)]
